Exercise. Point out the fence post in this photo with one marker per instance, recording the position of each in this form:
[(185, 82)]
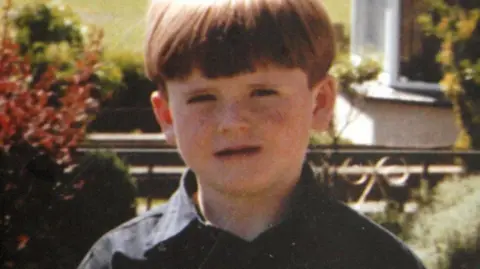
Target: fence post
[(149, 179)]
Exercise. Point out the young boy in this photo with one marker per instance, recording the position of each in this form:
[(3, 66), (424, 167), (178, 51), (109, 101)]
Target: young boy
[(240, 85)]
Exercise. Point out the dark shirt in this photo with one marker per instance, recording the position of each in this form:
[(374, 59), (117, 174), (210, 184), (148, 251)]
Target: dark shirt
[(319, 232)]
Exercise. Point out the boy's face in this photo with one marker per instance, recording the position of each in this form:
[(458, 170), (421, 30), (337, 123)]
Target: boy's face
[(247, 133)]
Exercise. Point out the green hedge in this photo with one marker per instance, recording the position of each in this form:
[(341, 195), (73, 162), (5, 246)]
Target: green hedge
[(52, 34), (101, 195), (129, 107)]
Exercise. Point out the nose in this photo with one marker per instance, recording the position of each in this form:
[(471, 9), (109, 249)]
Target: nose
[(233, 118)]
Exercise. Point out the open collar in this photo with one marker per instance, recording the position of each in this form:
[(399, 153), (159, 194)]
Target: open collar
[(177, 213), (309, 197)]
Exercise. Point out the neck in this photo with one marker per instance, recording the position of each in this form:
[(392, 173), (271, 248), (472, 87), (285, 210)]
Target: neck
[(246, 216)]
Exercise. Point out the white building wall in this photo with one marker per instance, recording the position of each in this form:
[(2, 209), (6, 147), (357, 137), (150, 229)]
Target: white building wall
[(396, 124), (408, 125), (351, 123)]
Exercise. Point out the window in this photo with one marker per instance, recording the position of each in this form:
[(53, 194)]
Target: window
[(417, 51), (369, 28)]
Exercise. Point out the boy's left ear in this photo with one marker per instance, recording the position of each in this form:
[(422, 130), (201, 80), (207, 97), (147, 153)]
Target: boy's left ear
[(324, 96)]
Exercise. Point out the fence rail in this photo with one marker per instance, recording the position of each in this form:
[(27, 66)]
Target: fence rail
[(140, 171), (354, 174)]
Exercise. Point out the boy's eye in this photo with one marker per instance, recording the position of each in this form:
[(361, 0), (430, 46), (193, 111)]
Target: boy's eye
[(264, 92), (201, 98)]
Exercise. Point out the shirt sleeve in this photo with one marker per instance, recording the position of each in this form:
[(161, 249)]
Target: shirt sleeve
[(99, 256)]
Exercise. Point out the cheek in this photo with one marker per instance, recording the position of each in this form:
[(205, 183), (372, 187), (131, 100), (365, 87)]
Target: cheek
[(191, 128), (193, 140), (288, 115), (288, 124), (273, 116)]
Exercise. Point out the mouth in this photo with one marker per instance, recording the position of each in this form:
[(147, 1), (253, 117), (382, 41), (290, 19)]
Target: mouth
[(238, 151)]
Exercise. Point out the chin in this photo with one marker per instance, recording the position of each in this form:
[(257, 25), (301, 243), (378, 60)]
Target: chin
[(244, 191), (247, 186)]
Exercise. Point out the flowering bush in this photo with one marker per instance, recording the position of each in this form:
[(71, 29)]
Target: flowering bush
[(50, 114)]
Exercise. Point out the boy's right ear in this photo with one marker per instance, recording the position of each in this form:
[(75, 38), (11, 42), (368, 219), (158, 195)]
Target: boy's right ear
[(162, 113)]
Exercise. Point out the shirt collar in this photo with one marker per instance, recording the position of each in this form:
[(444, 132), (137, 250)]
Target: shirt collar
[(180, 210), (177, 213)]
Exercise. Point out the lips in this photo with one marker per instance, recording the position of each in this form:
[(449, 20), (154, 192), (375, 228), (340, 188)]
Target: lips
[(234, 151)]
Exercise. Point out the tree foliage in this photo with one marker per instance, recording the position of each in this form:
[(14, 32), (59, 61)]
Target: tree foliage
[(50, 32), (457, 24)]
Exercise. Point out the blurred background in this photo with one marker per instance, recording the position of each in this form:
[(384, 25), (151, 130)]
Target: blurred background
[(81, 152)]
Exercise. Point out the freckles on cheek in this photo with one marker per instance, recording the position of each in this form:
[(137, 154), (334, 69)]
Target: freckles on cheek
[(193, 128), (277, 116), (284, 115), (276, 113), (277, 121), (290, 124)]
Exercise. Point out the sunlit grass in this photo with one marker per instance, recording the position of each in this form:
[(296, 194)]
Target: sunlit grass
[(123, 21)]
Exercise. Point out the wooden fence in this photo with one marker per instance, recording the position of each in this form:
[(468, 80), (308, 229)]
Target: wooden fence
[(354, 174)]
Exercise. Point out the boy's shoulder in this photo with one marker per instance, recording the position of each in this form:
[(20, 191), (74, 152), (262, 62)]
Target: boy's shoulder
[(138, 236), (364, 241), (133, 236), (142, 223)]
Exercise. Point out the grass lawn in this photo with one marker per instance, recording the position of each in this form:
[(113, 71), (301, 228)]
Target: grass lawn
[(123, 20)]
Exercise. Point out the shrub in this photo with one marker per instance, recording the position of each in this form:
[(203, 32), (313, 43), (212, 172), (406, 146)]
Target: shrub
[(42, 120), (51, 32), (349, 74), (393, 218), (129, 107), (60, 216), (446, 232), (39, 132), (48, 33), (49, 22), (38, 114), (326, 139), (100, 195)]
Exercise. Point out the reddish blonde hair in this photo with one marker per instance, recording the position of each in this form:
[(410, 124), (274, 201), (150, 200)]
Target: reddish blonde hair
[(222, 38)]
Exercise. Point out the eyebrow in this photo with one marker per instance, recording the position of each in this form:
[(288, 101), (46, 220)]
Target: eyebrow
[(251, 85), (198, 90), (262, 85), (203, 89)]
